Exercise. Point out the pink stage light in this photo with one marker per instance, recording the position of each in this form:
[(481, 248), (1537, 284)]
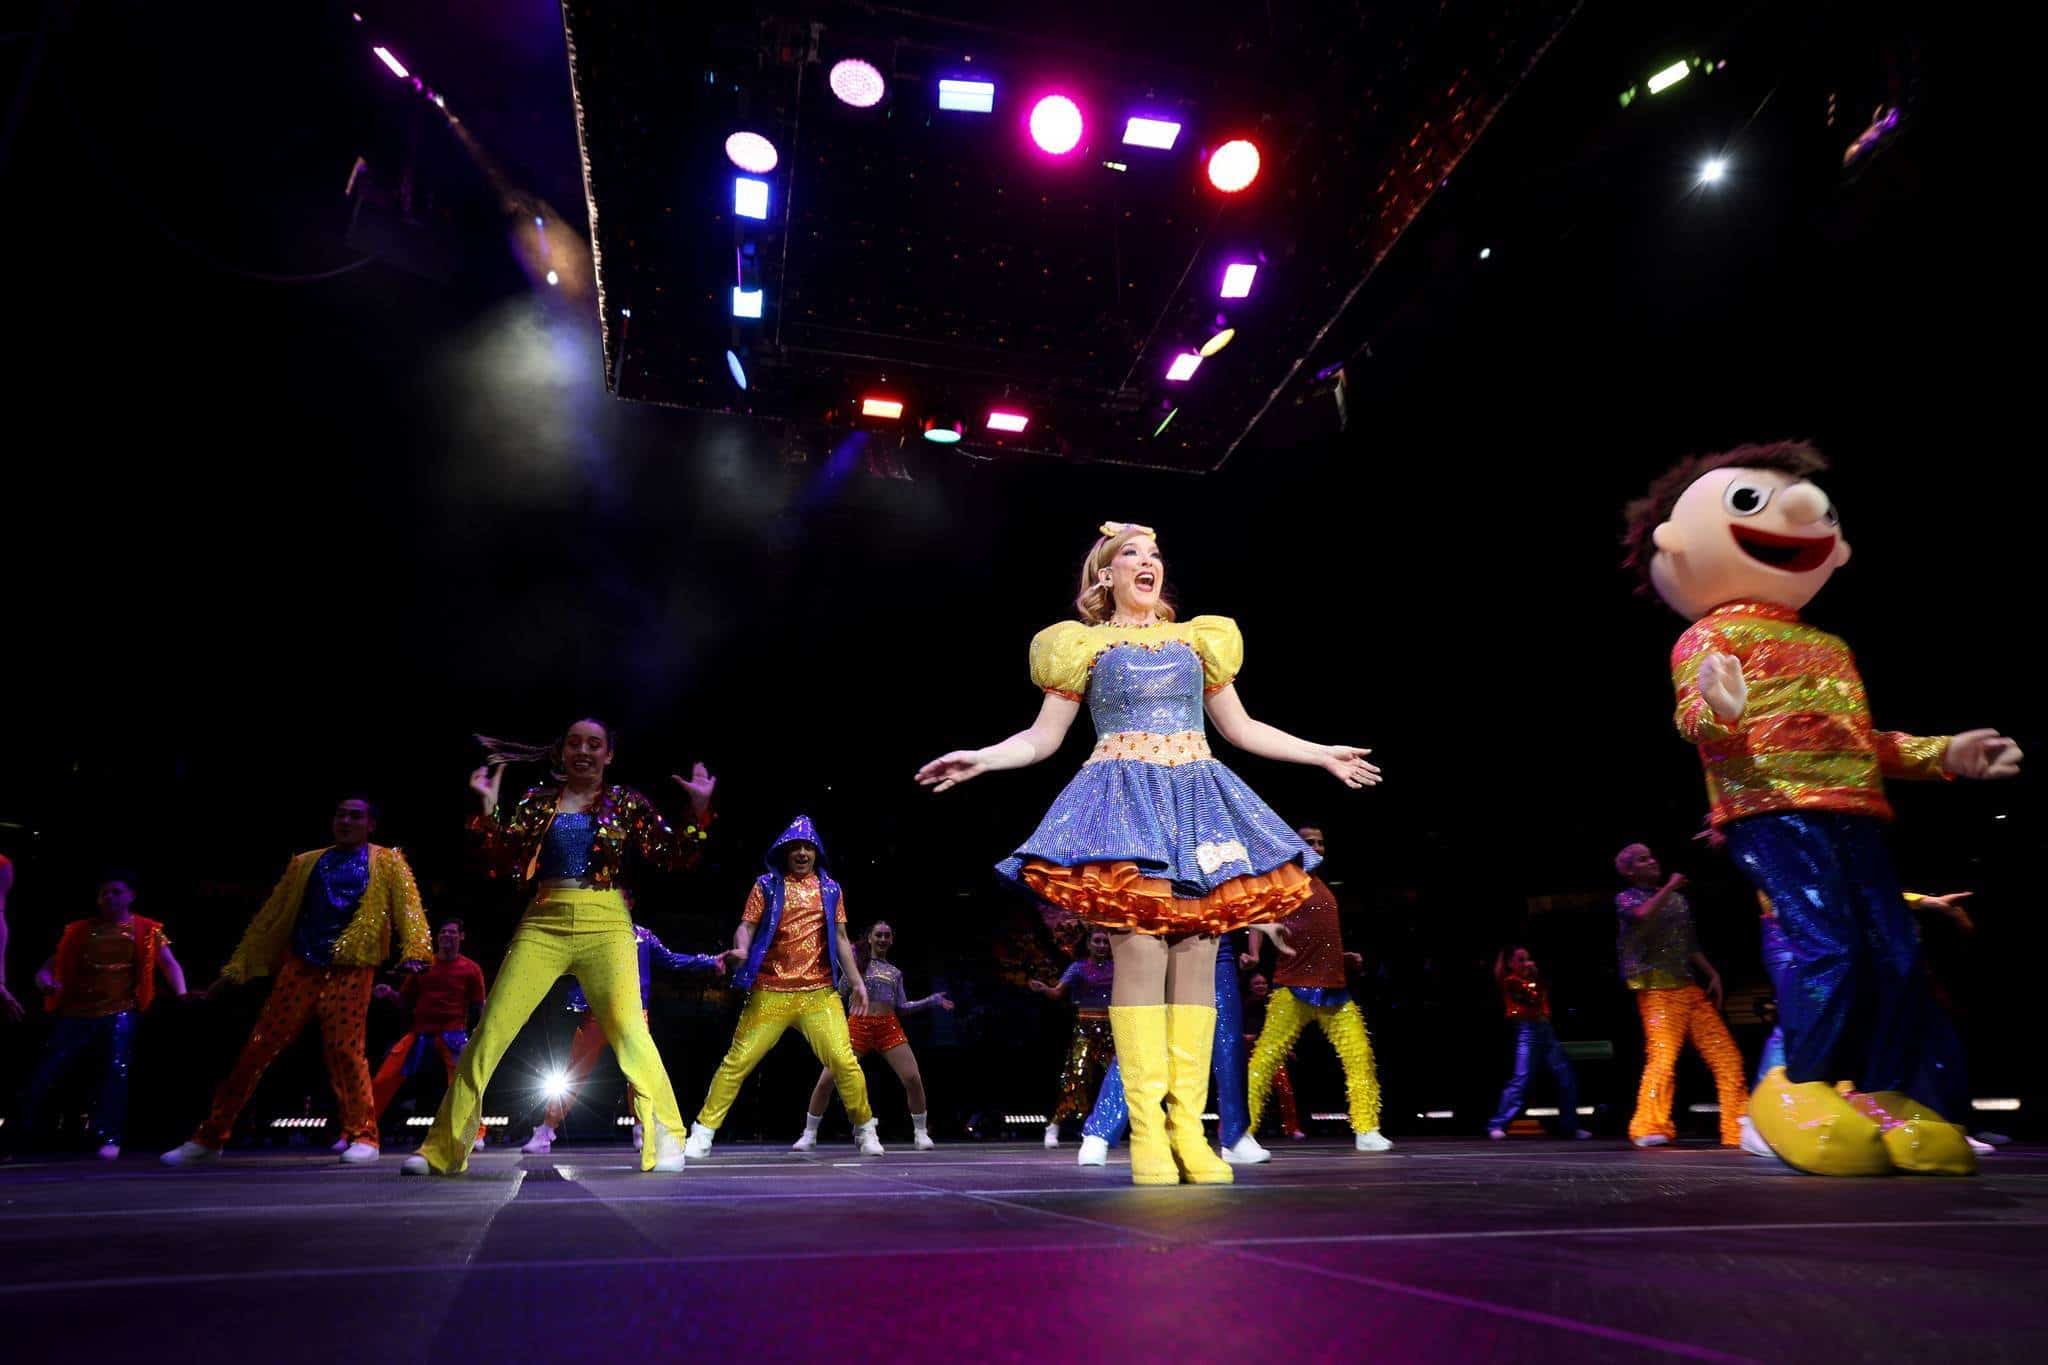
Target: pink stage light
[(1237, 279), (751, 152), (1056, 124), (397, 67), (1234, 166), (857, 83), (1008, 421), (1183, 367)]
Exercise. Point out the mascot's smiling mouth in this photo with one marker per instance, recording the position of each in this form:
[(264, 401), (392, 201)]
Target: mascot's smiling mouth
[(1793, 554)]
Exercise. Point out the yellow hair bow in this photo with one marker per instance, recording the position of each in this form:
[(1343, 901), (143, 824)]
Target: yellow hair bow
[(1117, 528)]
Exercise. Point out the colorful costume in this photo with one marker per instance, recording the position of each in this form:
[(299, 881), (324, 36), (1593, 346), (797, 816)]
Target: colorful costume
[(440, 998), (1154, 836), (582, 931), (879, 1029), (106, 979), (1310, 987), (1092, 1050), (1111, 1118), (1526, 1004), (791, 977), (329, 923), (1655, 953), (590, 1039)]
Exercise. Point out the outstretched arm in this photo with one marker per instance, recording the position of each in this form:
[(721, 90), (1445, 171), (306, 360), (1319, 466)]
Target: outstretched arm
[(659, 953), (1341, 761), (1021, 750)]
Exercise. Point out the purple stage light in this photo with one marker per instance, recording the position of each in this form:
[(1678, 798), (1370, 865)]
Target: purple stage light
[(1183, 367), (397, 67), (857, 83), (1237, 279), (1151, 132), (1056, 124), (751, 152)]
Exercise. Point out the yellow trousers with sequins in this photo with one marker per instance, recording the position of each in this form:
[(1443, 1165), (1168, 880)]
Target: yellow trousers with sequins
[(587, 935), (820, 1017), (1287, 1014), (1669, 1018)]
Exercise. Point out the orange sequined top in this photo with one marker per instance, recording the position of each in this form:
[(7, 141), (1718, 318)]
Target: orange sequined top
[(1524, 999), (1805, 741), (796, 960), (624, 820)]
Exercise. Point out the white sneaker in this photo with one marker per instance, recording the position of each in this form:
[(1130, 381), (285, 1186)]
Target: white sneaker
[(111, 1151), (806, 1142), (415, 1165), (340, 1146), (699, 1145), (1246, 1152), (866, 1140), (1650, 1140), (541, 1143), (1497, 1134), (639, 1135), (1374, 1141), (1582, 1134), (922, 1140), (668, 1150), (189, 1154), (359, 1153), (1052, 1135), (1753, 1141), (1980, 1148), (1094, 1152)]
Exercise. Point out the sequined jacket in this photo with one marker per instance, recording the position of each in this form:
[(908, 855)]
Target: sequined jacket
[(625, 822), (1805, 740), (390, 905)]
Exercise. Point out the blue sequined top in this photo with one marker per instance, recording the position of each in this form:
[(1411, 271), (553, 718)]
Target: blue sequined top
[(333, 893), (565, 852), (1158, 691), (1088, 984)]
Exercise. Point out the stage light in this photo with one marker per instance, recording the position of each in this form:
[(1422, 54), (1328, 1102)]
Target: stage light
[(1712, 170), (1668, 77), (1437, 1114), (556, 1086), (1056, 124), (1183, 367), (1218, 342), (1115, 166), (746, 303), (738, 371), (1995, 1106), (1233, 166), (397, 67), (942, 433), (1486, 253), (967, 97), (749, 197), (553, 278), (999, 420), (1164, 424), (751, 152), (857, 83), (890, 408), (1237, 279), (1151, 132)]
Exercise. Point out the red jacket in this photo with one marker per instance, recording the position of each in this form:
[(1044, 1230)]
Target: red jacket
[(149, 937)]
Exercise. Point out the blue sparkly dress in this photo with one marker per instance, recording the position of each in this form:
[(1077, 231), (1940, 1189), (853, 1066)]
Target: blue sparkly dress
[(1154, 835)]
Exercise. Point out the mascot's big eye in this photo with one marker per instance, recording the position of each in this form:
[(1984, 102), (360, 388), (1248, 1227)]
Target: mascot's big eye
[(1746, 499), (1832, 517)]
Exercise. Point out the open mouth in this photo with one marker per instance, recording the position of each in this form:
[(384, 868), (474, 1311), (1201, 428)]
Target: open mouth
[(1147, 582), (1793, 554)]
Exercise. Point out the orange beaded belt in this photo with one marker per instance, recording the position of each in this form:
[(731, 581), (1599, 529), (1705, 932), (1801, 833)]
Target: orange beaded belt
[(1139, 746)]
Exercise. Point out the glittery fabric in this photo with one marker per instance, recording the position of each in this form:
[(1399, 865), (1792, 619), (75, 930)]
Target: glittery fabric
[(1654, 951), (1536, 1045), (1287, 1014), (1805, 740), (626, 823), (1523, 999), (1779, 963), (875, 1033), (1153, 835), (1316, 936), (404, 1060), (585, 1046), (1110, 1119), (1671, 1017), (84, 991), (1089, 983), (886, 992), (565, 932), (653, 953), (1089, 1053), (565, 848), (339, 997), (1853, 1001), (333, 895), (109, 1036), (818, 1015), (795, 961), (390, 909)]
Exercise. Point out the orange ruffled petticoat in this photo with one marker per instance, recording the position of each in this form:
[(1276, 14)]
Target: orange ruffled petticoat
[(1119, 897)]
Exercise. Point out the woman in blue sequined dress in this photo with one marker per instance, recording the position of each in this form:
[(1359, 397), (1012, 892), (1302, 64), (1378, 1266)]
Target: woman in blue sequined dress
[(1154, 839)]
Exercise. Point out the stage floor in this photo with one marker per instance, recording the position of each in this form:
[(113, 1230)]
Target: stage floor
[(1439, 1250)]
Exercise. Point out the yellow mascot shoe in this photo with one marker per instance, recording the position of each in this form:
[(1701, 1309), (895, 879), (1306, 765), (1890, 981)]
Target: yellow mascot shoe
[(1141, 1053), (1191, 1032), (1813, 1129), (1918, 1140)]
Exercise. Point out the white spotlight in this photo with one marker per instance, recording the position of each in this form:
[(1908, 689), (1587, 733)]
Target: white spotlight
[(1712, 169)]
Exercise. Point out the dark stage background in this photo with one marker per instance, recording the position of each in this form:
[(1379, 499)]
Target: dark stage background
[(270, 541)]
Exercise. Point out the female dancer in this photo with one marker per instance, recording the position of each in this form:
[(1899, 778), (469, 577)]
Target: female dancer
[(879, 1030), (1090, 1053), (571, 839), (1155, 840), (1525, 1000)]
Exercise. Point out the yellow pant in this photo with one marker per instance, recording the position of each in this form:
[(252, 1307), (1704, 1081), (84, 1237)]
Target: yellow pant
[(1287, 1014), (588, 935), (821, 1019), (1669, 1018)]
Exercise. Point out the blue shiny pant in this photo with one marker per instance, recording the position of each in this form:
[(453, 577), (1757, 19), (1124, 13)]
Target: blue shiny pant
[(1778, 963), (1536, 1043), (1110, 1119), (110, 1035), (1852, 1000)]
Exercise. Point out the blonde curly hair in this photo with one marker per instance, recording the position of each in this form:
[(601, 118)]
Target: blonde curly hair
[(1096, 603)]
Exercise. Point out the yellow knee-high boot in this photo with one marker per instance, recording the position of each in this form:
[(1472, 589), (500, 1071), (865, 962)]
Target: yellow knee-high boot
[(1815, 1130), (1917, 1139), (1141, 1052), (1191, 1036)]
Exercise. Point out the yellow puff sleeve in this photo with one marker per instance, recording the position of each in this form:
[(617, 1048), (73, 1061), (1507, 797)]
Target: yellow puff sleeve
[(1059, 659), (1221, 647)]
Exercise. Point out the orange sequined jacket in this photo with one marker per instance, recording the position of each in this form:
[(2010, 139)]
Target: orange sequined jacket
[(1804, 741), (626, 822)]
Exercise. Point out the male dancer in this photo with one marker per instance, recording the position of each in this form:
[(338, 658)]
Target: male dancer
[(444, 1000), (330, 921)]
